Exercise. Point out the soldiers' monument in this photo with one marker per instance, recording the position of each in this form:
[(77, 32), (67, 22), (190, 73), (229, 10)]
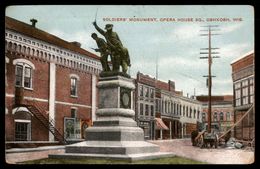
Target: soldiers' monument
[(114, 134)]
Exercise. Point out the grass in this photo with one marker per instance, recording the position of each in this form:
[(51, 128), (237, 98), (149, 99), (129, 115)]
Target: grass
[(170, 160)]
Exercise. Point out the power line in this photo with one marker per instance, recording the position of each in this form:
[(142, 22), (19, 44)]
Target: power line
[(209, 57)]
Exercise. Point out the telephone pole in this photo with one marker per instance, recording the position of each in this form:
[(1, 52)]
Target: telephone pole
[(210, 52)]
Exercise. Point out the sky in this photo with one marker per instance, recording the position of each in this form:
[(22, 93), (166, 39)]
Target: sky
[(169, 39)]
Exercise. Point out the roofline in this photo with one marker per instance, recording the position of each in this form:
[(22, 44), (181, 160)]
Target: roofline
[(243, 56), (72, 47)]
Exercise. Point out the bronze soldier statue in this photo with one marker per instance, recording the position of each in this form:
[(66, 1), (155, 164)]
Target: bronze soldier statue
[(104, 51), (120, 55)]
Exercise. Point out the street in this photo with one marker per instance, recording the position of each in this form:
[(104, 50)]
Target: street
[(180, 147)]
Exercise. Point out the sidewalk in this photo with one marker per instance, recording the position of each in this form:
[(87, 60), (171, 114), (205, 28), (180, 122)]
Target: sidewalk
[(180, 147), (16, 155)]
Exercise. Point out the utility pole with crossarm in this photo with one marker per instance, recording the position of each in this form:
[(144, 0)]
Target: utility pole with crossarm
[(210, 52)]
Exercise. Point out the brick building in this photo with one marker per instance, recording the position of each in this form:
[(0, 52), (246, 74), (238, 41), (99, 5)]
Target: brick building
[(222, 114), (50, 91), (243, 89), (145, 101), (162, 111)]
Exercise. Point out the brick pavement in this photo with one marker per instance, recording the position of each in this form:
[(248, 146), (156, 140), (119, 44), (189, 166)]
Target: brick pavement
[(180, 147)]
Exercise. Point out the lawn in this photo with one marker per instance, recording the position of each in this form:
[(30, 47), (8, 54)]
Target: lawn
[(170, 160)]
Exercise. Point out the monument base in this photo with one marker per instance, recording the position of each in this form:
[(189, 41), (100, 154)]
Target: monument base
[(114, 134)]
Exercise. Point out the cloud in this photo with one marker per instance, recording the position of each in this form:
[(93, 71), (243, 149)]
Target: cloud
[(232, 51), (230, 28), (182, 62), (186, 32), (82, 37)]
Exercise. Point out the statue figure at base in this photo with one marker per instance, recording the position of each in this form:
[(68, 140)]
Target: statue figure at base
[(104, 51), (119, 54)]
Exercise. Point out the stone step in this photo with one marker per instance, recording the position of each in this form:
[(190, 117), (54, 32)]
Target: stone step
[(112, 147)]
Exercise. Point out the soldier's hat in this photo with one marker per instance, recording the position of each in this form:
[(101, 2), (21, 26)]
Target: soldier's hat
[(109, 26)]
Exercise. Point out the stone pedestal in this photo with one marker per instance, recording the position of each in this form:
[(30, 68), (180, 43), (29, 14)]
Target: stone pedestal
[(114, 134)]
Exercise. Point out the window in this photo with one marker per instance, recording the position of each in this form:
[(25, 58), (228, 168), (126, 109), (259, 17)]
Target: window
[(22, 131), (18, 75), (73, 86), (251, 90), (146, 110), (194, 113), (27, 77), (215, 116), (141, 109), (146, 91), (177, 109), (245, 95), (221, 116), (198, 114), (152, 93), (227, 116), (162, 106), (73, 112), (238, 97), (141, 91), (237, 87), (152, 114), (190, 112), (23, 75), (172, 108), (165, 107), (157, 105)]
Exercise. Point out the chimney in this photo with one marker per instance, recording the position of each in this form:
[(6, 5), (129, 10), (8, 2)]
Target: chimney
[(33, 22), (76, 43)]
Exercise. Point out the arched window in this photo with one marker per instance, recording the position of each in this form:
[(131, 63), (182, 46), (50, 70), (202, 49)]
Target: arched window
[(23, 73), (215, 116), (227, 116), (221, 116), (74, 85)]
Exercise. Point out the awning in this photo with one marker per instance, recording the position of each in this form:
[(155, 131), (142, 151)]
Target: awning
[(160, 124)]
